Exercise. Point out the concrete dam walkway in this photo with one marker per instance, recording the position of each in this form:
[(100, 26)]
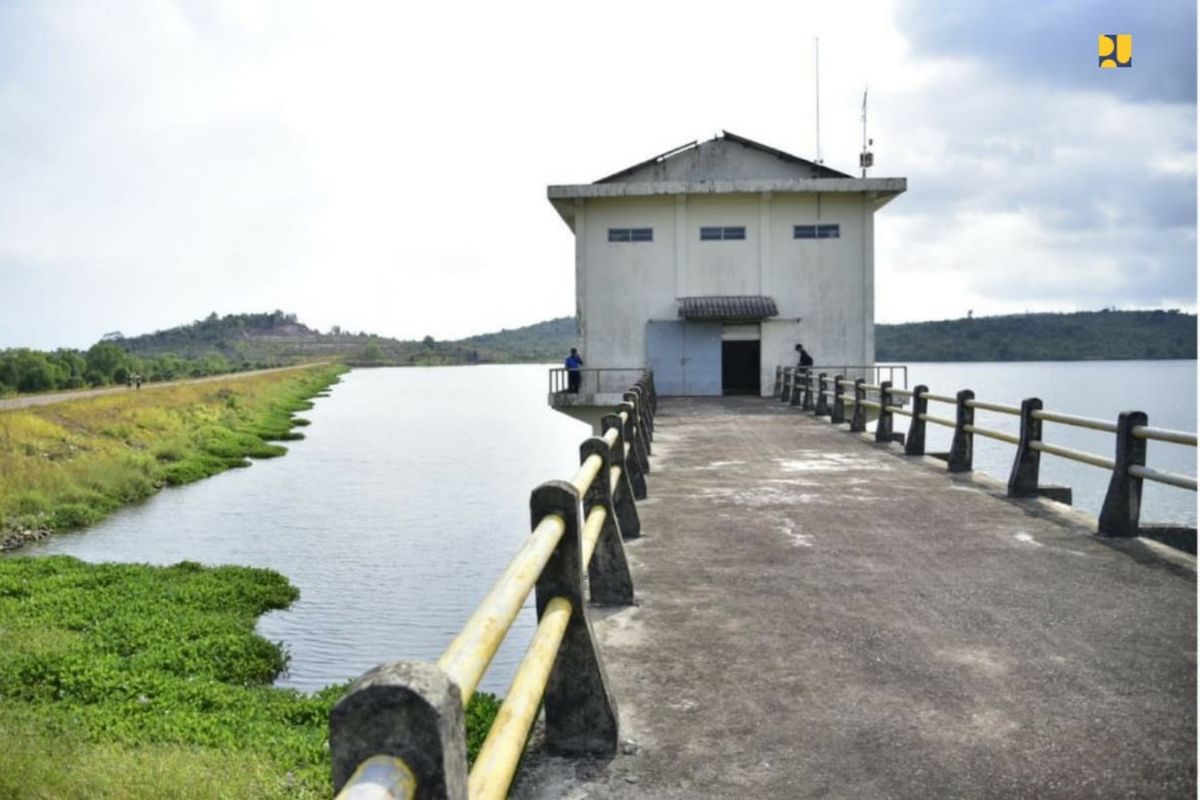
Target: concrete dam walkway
[(820, 616)]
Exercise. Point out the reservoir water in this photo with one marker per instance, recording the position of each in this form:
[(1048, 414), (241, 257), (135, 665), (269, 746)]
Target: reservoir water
[(410, 494)]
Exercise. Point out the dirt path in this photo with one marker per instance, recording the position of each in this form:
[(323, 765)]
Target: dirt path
[(29, 400)]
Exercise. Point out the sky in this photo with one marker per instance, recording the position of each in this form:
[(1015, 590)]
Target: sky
[(383, 166)]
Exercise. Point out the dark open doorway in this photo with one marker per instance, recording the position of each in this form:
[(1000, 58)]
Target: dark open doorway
[(740, 367)]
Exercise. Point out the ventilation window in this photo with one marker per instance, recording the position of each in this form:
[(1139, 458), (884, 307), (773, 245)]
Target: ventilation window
[(722, 233), (816, 232), (631, 234)]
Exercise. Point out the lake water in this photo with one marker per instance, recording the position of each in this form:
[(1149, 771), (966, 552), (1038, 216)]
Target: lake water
[(410, 494)]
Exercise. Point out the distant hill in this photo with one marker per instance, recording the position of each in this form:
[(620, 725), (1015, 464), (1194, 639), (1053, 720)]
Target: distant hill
[(278, 338), (1084, 335)]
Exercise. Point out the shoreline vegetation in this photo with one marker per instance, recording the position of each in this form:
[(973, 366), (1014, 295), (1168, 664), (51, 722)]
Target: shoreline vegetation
[(70, 464), (139, 681)]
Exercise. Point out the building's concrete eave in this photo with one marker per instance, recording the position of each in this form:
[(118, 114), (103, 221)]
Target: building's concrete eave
[(880, 190)]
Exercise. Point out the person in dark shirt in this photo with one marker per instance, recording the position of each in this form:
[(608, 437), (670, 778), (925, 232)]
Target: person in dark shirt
[(573, 363), (806, 360)]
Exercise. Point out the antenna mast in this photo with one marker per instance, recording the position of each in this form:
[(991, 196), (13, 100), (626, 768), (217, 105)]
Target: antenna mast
[(866, 158), (817, 58)]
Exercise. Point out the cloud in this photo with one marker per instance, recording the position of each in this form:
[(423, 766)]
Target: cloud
[(1053, 44)]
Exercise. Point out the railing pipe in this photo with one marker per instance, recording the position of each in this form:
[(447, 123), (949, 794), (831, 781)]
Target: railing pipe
[(380, 778), (1162, 476), (1078, 422), (1164, 435)]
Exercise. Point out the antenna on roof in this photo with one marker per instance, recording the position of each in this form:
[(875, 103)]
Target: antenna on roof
[(866, 158), (817, 59)]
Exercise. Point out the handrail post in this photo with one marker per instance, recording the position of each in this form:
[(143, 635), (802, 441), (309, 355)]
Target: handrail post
[(914, 442), (581, 715), (633, 461), (797, 387), (789, 376), (883, 428), (609, 580), (1023, 480), (858, 420), (409, 710), (623, 499), (778, 380), (1123, 504), (822, 407), (635, 399), (962, 448), (838, 414), (635, 434), (807, 403)]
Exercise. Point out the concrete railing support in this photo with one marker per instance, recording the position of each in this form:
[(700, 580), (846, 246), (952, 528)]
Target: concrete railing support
[(623, 499), (609, 580), (633, 465), (806, 404), (821, 408), (1123, 504), (914, 442), (838, 411), (408, 710), (1023, 480), (883, 428), (643, 428), (797, 388), (778, 381), (789, 376), (962, 448), (858, 420)]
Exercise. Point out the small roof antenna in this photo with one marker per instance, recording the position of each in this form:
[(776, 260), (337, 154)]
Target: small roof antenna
[(817, 59), (866, 159)]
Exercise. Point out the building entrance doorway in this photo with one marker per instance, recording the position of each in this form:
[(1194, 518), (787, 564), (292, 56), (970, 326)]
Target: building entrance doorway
[(740, 367)]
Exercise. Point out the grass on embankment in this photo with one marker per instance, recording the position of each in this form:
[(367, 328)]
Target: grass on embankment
[(70, 464), (133, 681)]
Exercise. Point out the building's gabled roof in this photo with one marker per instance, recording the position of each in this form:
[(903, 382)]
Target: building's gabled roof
[(724, 157)]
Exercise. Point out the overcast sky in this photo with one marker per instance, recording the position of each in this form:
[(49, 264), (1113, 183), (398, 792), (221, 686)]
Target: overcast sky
[(383, 166)]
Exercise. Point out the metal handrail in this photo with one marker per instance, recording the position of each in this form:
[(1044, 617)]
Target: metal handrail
[(1164, 435), (941, 398), (1078, 422), (468, 656), (997, 407), (999, 436), (1162, 476), (947, 423), (1074, 455)]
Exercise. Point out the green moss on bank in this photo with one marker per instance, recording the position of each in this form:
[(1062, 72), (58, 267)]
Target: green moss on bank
[(127, 680)]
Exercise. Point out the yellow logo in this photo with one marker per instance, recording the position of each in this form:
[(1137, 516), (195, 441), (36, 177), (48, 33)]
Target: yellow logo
[(1116, 50)]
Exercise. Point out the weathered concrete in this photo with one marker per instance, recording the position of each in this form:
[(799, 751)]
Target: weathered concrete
[(822, 616)]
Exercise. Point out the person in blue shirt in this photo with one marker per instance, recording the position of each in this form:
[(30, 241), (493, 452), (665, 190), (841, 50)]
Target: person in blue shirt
[(573, 363)]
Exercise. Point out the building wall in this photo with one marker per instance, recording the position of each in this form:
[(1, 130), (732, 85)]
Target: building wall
[(823, 287)]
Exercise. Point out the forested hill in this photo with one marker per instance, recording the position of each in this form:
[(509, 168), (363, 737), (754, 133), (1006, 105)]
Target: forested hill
[(1084, 335)]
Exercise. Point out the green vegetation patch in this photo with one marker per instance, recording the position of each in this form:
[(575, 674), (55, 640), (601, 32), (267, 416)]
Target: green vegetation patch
[(69, 465), (128, 680)]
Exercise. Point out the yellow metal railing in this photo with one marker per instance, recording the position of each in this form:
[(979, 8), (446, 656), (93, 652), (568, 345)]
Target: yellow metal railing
[(466, 659)]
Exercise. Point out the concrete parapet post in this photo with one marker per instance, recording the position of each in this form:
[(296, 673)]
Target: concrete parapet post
[(914, 443), (789, 377), (609, 580), (581, 715), (1123, 504), (858, 420), (643, 429), (778, 381), (822, 406), (633, 436), (1023, 480), (646, 393), (623, 498), (962, 448), (633, 465), (883, 428), (408, 710), (797, 387), (837, 412), (806, 404)]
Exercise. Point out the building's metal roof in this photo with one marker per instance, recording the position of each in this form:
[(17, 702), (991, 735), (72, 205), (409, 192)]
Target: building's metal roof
[(729, 307), (816, 170)]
